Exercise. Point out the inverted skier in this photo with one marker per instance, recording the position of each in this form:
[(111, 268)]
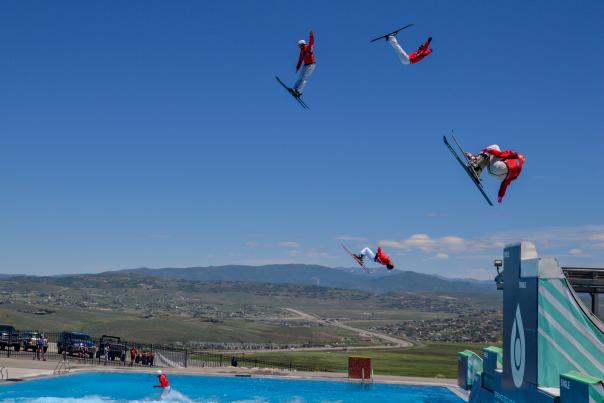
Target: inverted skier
[(411, 58), (504, 166), (379, 257), (307, 56)]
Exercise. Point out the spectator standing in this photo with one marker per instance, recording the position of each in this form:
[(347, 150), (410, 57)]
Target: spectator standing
[(132, 356), (29, 343), (40, 347)]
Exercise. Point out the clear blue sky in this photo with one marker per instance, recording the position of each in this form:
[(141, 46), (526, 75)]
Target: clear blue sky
[(152, 133)]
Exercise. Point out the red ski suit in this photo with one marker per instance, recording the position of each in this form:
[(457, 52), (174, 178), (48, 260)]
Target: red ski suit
[(163, 381), (419, 55), (382, 258), (307, 53), (513, 161)]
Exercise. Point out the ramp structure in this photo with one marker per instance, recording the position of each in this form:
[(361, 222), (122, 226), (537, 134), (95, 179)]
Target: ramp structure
[(553, 345)]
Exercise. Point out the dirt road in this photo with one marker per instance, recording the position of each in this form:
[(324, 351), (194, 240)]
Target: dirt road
[(362, 332)]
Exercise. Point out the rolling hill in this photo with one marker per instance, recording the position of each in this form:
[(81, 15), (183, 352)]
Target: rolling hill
[(379, 283)]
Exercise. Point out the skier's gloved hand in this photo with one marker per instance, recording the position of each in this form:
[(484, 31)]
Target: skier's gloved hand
[(499, 199)]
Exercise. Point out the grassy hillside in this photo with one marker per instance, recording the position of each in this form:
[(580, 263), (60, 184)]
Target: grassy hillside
[(379, 282), (429, 360), (161, 310), (171, 329)]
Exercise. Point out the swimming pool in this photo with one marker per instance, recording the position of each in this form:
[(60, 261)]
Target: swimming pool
[(127, 387)]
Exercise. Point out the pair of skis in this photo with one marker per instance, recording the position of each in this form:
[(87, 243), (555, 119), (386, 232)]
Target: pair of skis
[(465, 164), (293, 94), (391, 33), (356, 259)]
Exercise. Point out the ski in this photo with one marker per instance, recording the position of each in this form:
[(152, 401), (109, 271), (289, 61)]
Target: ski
[(466, 168), (356, 259), (391, 33), (291, 92), (460, 147)]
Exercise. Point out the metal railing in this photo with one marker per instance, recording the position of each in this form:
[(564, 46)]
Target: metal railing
[(63, 367), (136, 354)]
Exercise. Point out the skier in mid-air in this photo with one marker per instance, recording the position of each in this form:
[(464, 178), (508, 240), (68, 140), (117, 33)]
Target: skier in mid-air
[(411, 58), (505, 166), (379, 257), (307, 56)]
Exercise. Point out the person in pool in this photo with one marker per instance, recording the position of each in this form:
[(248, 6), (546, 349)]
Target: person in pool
[(163, 380)]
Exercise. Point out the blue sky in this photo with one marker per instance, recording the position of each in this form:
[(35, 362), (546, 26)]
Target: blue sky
[(152, 133)]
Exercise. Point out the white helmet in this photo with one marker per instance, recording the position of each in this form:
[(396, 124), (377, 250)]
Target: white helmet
[(159, 372), (494, 147), (301, 42)]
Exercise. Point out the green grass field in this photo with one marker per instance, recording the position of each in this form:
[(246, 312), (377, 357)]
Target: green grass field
[(429, 360)]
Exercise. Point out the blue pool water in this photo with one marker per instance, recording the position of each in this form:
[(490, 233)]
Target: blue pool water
[(124, 387)]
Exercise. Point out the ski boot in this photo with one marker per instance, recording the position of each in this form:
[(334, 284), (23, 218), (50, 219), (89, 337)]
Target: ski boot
[(477, 163)]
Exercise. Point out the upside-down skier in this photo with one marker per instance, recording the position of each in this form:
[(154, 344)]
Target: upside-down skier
[(379, 257), (413, 57), (504, 166), (306, 60)]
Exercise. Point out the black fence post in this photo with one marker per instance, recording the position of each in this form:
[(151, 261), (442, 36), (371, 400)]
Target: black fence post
[(186, 357)]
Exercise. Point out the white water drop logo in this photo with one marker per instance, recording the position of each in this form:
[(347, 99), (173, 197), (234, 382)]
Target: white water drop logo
[(517, 349)]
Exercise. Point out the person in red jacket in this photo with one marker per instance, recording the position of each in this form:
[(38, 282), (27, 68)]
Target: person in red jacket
[(307, 56), (414, 57), (379, 257), (504, 166), (163, 380)]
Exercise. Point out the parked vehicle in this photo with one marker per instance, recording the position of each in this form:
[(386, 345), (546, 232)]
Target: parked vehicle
[(76, 343), (9, 338), (114, 345), (29, 340)]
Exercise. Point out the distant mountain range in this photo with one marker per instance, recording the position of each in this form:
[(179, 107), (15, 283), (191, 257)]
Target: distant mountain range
[(379, 283)]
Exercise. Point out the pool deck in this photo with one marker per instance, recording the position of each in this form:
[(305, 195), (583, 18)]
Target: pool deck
[(19, 369)]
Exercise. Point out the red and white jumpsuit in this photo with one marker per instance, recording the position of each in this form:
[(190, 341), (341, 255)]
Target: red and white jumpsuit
[(307, 56), (379, 257), (413, 57), (505, 166)]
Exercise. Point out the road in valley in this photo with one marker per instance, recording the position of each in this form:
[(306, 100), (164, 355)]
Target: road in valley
[(362, 332)]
